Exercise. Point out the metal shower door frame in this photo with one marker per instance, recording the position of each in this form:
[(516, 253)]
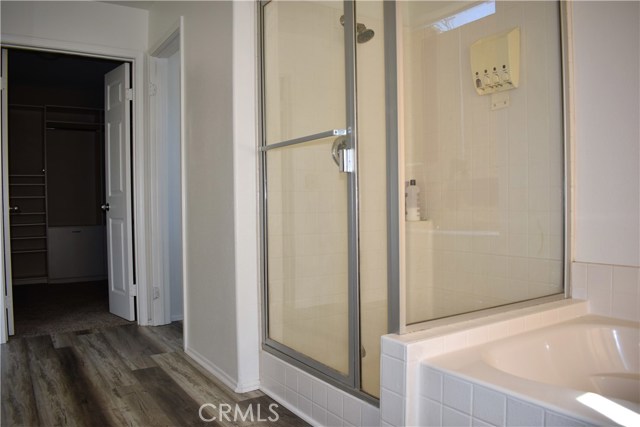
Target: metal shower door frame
[(352, 381)]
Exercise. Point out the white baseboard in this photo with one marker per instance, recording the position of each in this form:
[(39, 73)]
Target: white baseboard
[(177, 317), (244, 388), (221, 375), (213, 369)]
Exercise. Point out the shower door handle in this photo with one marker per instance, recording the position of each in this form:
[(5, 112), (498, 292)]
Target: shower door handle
[(343, 156), (347, 164)]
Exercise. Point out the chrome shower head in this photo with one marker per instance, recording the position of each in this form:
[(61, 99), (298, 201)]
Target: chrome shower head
[(363, 34)]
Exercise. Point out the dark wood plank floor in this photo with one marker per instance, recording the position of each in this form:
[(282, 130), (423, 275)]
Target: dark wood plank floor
[(120, 376)]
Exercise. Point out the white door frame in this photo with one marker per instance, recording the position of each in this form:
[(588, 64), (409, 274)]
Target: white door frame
[(171, 43), (6, 295), (137, 59)]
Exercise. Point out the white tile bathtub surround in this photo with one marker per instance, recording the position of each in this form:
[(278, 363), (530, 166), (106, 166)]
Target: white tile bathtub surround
[(313, 400), (457, 394), (611, 290), (402, 408), (489, 407)]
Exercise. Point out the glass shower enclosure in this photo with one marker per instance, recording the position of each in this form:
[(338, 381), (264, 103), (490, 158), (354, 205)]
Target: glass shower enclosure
[(362, 99), (484, 142), (324, 188)]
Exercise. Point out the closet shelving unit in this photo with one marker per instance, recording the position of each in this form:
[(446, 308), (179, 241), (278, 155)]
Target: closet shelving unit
[(27, 194), (31, 211)]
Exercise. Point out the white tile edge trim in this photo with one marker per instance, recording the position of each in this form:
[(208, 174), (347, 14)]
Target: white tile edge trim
[(516, 321)]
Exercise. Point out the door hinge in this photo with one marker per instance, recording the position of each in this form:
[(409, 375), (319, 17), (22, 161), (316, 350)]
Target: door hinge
[(2, 83), (129, 94), (153, 89), (133, 290)]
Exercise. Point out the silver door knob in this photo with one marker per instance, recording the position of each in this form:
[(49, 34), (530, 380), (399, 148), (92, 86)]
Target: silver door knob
[(14, 208), (105, 207)]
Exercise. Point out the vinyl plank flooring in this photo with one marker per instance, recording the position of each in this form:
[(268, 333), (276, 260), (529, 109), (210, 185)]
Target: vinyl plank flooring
[(119, 376), (169, 337), (180, 407), (202, 388), (124, 401), (109, 366), (18, 400), (83, 393), (103, 370), (134, 406), (63, 339), (60, 391), (133, 347)]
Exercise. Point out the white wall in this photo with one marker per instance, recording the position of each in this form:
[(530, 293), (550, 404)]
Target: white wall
[(606, 264), (245, 163), (89, 23), (221, 317), (606, 47)]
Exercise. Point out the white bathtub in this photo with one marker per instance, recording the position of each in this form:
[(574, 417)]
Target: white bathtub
[(580, 368)]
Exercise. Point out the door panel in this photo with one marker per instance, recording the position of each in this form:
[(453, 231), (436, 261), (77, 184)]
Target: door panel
[(311, 233), (115, 153), (117, 270), (304, 69), (118, 198), (308, 253)]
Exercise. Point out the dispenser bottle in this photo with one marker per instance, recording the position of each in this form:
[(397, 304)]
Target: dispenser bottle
[(412, 201)]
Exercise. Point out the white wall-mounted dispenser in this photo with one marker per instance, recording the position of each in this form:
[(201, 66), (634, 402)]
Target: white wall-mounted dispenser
[(495, 62)]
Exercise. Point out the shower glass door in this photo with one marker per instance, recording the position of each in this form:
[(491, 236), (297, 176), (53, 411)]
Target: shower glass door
[(308, 124)]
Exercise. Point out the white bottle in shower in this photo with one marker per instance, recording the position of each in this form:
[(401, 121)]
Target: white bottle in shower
[(412, 201)]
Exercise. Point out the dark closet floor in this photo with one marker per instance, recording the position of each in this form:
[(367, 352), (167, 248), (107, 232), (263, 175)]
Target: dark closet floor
[(46, 309)]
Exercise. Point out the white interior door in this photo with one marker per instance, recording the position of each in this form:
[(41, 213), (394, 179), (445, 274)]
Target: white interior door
[(6, 324), (118, 196)]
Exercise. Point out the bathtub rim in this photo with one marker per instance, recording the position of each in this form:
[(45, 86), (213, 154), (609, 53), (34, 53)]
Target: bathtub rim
[(559, 399)]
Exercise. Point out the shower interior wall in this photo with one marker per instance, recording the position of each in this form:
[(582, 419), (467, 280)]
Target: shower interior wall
[(307, 224), (491, 180)]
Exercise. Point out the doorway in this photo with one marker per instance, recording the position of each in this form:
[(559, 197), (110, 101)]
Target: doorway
[(166, 167), (58, 192)]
